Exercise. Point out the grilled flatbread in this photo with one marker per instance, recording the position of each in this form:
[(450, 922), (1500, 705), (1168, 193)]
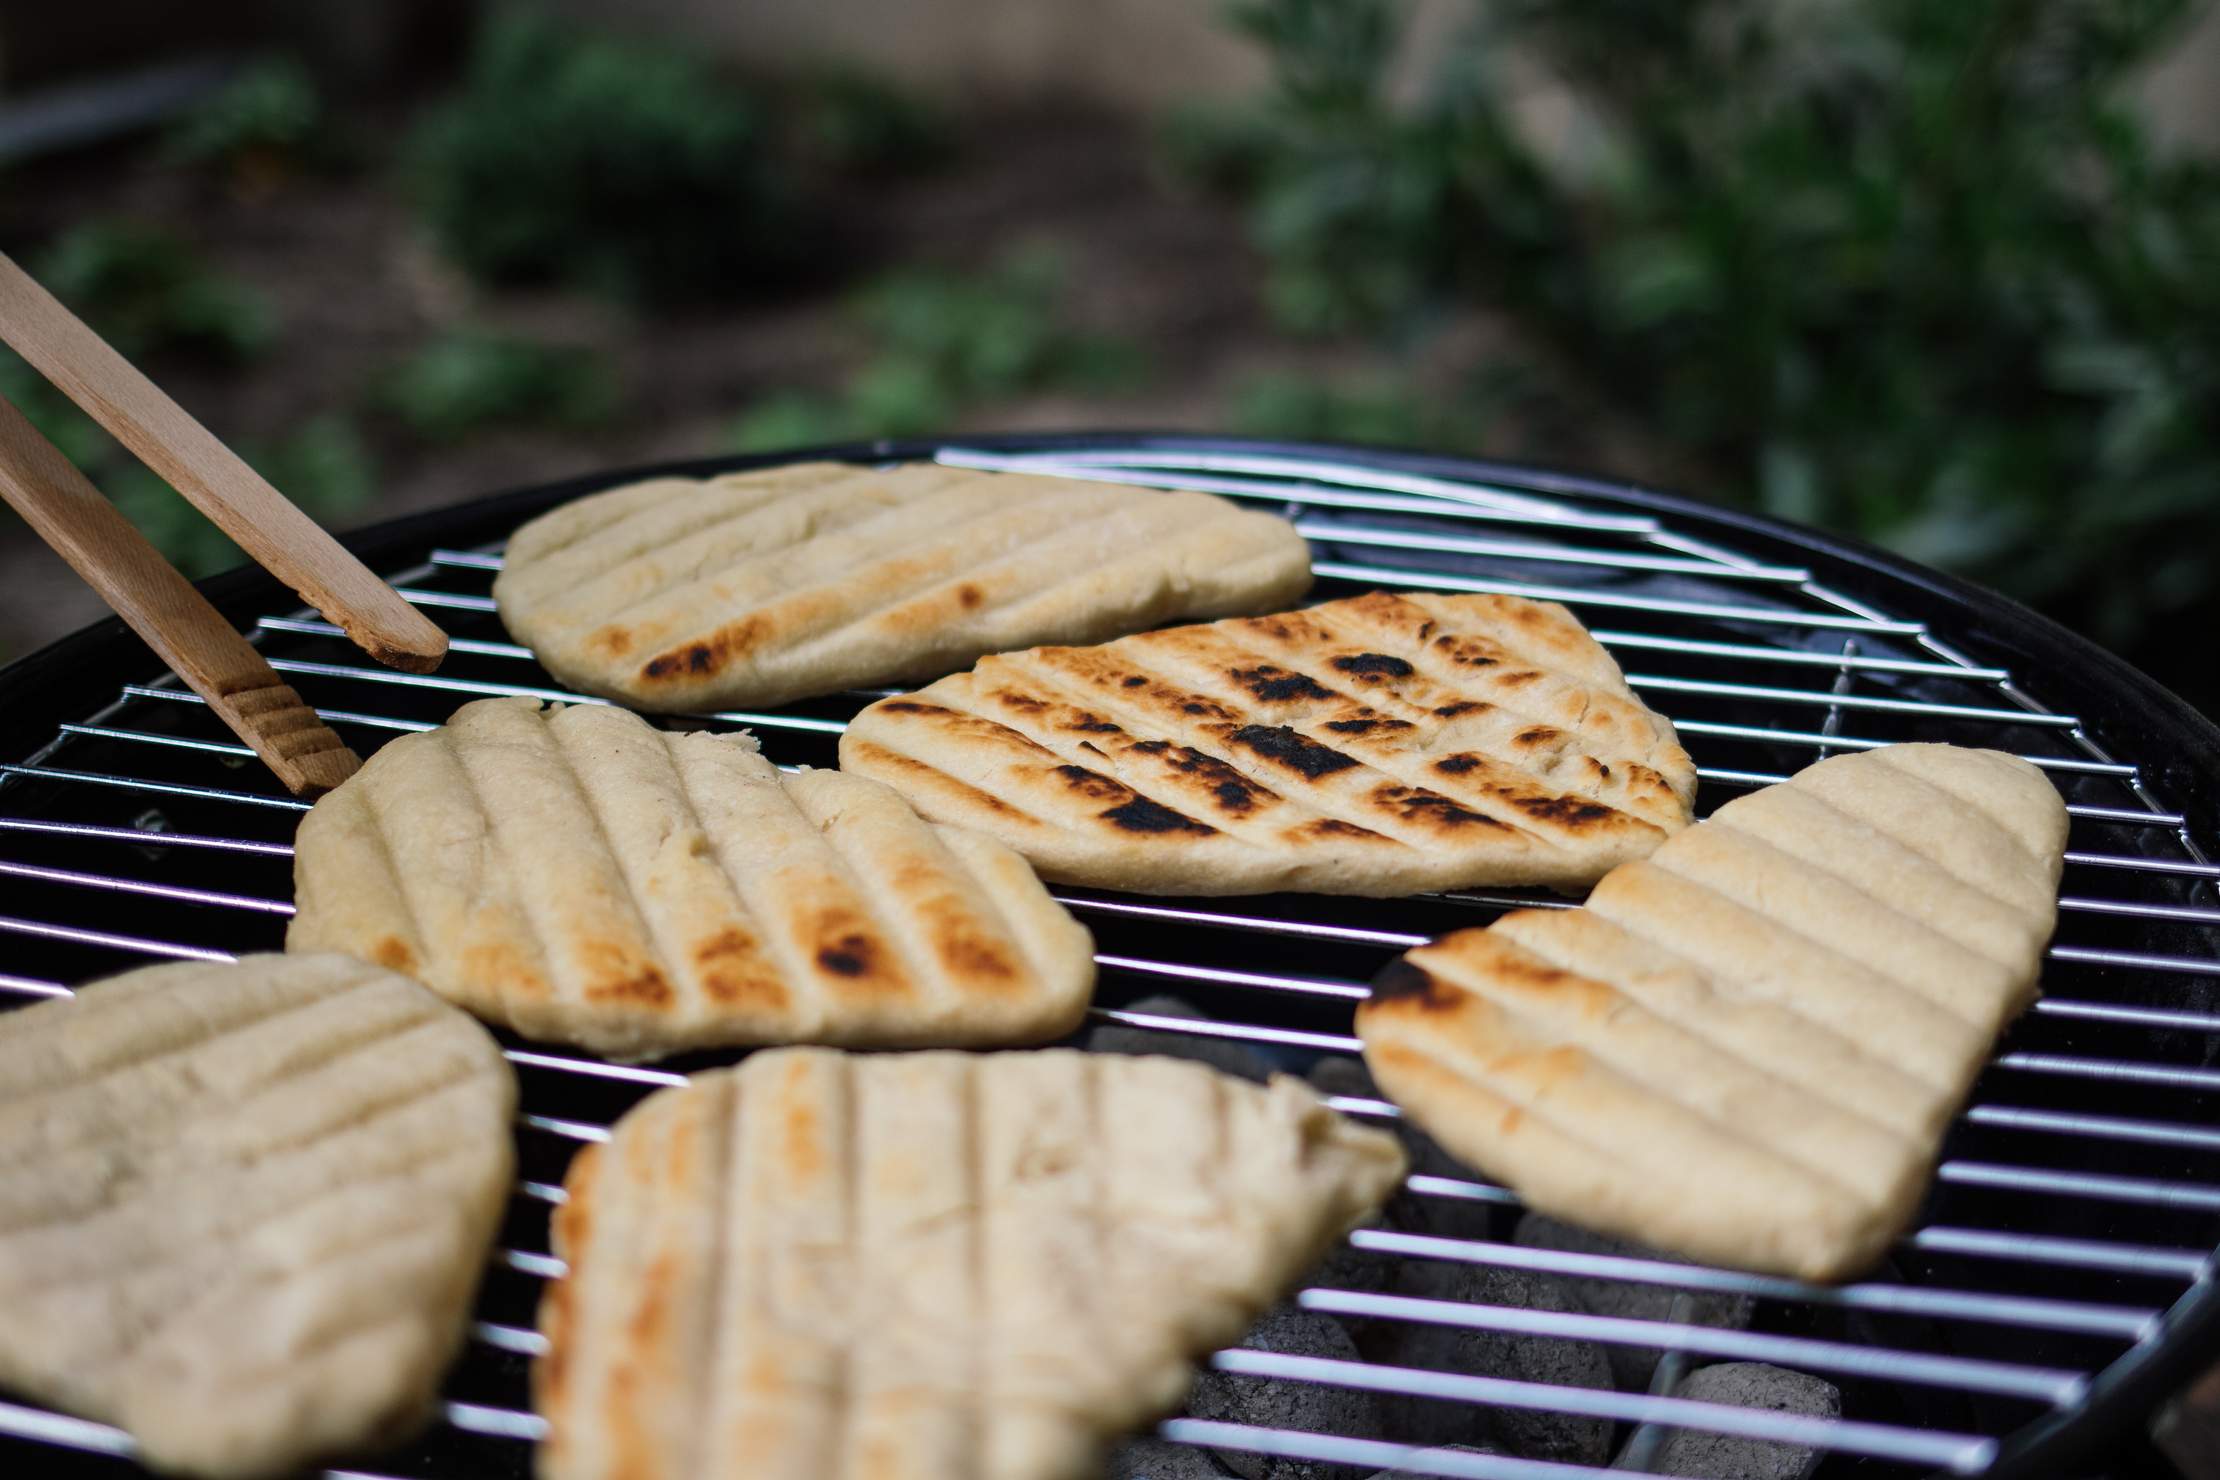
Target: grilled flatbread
[(929, 1266), (1746, 1048), (756, 588), (1378, 745), (243, 1206), (582, 877)]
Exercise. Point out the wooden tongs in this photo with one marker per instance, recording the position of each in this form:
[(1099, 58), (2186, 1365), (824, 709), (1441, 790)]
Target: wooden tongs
[(146, 591)]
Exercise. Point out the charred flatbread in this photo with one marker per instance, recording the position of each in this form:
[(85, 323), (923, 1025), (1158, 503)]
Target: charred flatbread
[(1378, 745), (582, 877)]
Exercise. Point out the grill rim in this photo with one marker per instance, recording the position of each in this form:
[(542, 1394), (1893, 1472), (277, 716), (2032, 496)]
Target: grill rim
[(2117, 702)]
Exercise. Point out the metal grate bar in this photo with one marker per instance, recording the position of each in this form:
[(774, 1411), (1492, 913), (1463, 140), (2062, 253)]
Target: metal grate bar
[(466, 559), (417, 596), (1854, 742), (1846, 1435), (2126, 1073), (1750, 653), (2141, 911), (166, 788), (140, 944), (561, 696), (2113, 1127), (342, 716), (1356, 1456), (1375, 575), (1328, 532), (220, 898), (2146, 1017), (2036, 1312), (178, 742), (1419, 495), (2043, 1384), (142, 837), (2153, 865), (307, 628), (31, 986), (2142, 1190), (1297, 929), (2025, 1248), (1219, 976), (1832, 700), (2141, 960)]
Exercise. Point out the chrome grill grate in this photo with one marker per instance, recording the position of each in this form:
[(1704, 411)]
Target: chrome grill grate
[(2077, 1206)]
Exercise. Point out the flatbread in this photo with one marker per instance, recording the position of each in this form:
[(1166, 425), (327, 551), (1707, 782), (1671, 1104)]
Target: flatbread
[(583, 877), (926, 1266), (756, 588), (1378, 745), (1745, 1049), (243, 1207)]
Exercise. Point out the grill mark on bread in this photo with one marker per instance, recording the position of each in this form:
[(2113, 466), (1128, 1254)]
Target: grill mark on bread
[(1164, 683), (689, 945), (1324, 621), (838, 575), (1293, 750), (1539, 1001), (311, 1096), (923, 1228), (1515, 807), (1343, 631), (1373, 665), (1850, 1078), (1218, 770), (1721, 980)]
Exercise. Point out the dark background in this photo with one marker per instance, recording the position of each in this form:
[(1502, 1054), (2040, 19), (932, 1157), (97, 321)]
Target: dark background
[(1942, 274)]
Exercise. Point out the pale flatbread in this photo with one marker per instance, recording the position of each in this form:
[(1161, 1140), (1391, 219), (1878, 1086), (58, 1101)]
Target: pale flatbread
[(583, 877), (926, 1266), (1379, 745), (1745, 1049), (243, 1207), (756, 588)]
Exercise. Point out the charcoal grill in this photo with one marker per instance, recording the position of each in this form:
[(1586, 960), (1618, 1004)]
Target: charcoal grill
[(2056, 1285)]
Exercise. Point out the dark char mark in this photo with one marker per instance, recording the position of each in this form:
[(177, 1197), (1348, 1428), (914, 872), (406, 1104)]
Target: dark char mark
[(1399, 978), (1374, 665), (1144, 816), (1275, 685), (1296, 752)]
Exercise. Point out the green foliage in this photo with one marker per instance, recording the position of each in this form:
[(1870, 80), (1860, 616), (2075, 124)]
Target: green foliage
[(1380, 411), (991, 334), (147, 292), (795, 419), (322, 465), (150, 295), (621, 166), (466, 381), (853, 123), (268, 116), (943, 342), (1906, 268)]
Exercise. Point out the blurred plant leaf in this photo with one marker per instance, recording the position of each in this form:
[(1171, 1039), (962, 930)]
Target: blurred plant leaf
[(622, 166), (469, 380), (147, 292), (267, 119), (1906, 268)]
